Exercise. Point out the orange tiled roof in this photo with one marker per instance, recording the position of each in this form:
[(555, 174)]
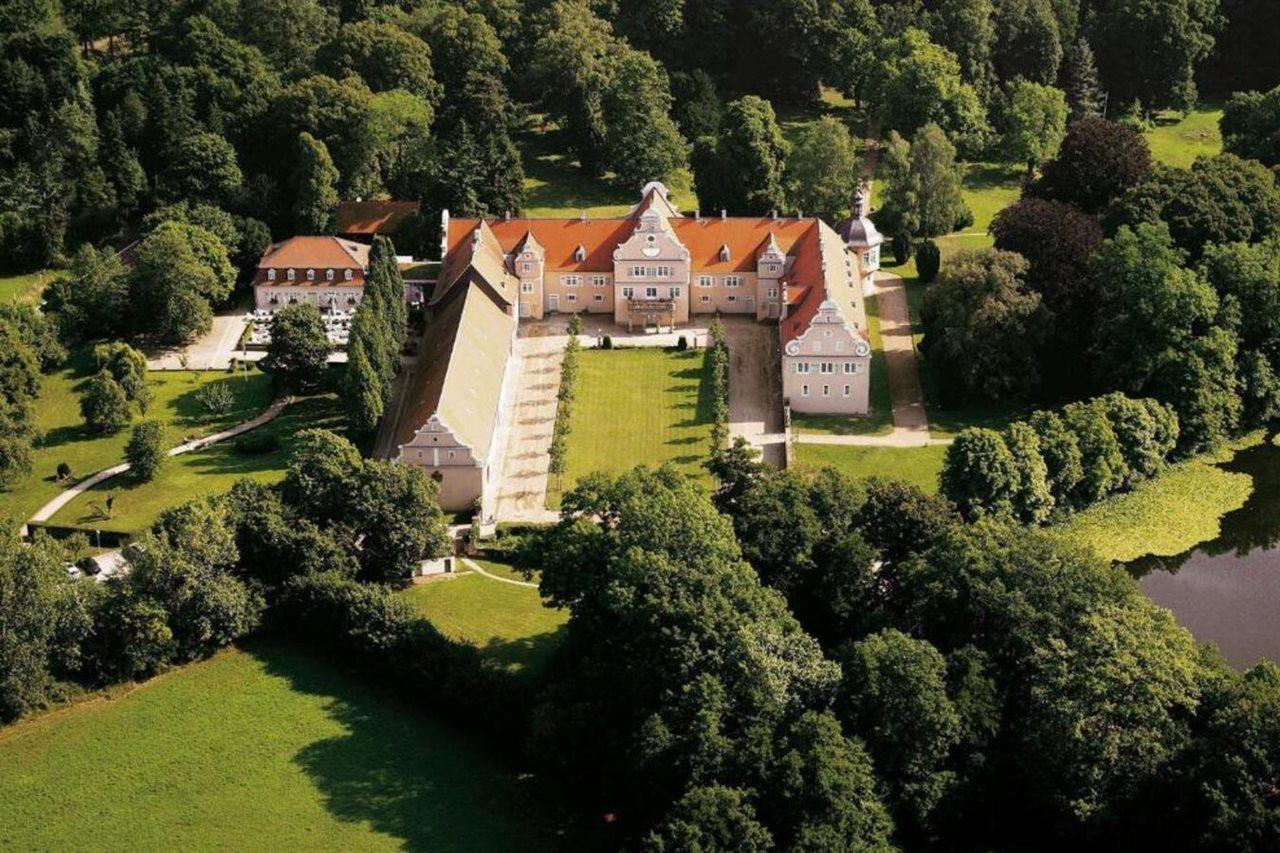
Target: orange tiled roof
[(317, 253), (374, 217)]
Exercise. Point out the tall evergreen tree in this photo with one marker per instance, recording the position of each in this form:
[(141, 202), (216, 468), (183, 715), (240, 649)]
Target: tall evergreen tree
[(315, 187), (1080, 81), (741, 169)]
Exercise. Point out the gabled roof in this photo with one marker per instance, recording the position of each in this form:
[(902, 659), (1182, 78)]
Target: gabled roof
[(476, 256), (830, 281), (374, 217), (655, 195), (744, 236), (316, 252), (463, 363)]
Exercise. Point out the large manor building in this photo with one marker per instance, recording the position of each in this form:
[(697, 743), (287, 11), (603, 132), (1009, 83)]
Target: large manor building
[(653, 266)]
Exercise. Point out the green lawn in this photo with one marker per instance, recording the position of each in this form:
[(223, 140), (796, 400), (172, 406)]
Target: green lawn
[(1178, 140), (880, 419), (264, 749), (66, 439), (554, 186), (25, 287), (633, 406), (917, 465), (205, 472), (508, 623), (1165, 516)]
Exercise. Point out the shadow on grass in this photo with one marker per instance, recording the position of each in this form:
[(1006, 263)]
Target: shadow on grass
[(430, 785), (528, 655)]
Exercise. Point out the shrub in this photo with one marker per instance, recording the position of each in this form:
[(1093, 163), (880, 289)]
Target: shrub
[(257, 442), (104, 404), (216, 398), (607, 343), (902, 249), (928, 261), (682, 344), (64, 471), (145, 450)]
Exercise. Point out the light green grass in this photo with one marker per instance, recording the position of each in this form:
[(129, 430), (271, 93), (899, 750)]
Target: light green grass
[(508, 623), (555, 186), (917, 465), (64, 437), (205, 472), (265, 749), (633, 406), (1165, 516), (880, 419), (25, 287), (1178, 140)]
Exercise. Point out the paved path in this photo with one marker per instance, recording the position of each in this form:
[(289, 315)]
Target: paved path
[(755, 387), (522, 489), (72, 492), (475, 567)]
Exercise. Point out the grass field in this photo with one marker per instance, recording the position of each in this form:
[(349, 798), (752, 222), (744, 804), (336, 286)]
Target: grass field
[(205, 472), (262, 749), (633, 406), (880, 420), (66, 439), (1165, 516), (507, 622), (917, 465), (1178, 140), (25, 287)]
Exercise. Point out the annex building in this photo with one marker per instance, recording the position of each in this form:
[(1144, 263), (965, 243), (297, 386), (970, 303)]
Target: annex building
[(653, 266)]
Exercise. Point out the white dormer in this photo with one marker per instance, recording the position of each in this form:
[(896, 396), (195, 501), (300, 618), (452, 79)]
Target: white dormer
[(328, 275), (271, 275), (289, 275), (311, 275), (580, 253), (346, 275), (724, 253)]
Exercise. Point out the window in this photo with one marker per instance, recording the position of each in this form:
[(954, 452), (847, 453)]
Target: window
[(328, 275), (773, 293), (628, 291), (651, 292), (526, 266), (637, 272), (704, 298), (828, 367), (289, 275), (599, 297), (731, 299), (598, 281), (570, 280), (673, 292), (271, 275), (802, 367), (311, 275), (804, 390), (662, 272), (346, 275), (526, 287), (571, 297), (846, 390), (732, 281), (451, 454), (850, 367), (826, 390), (705, 281), (771, 268)]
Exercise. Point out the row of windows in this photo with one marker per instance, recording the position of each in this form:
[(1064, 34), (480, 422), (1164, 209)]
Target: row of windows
[(573, 297), (652, 272), (291, 275), (651, 292), (727, 281), (804, 367), (575, 281), (826, 390)]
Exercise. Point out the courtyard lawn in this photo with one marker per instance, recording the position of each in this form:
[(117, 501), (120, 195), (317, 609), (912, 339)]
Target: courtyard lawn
[(508, 623), (880, 419), (555, 186), (268, 748), (633, 406), (1178, 140), (25, 287), (205, 472), (917, 465), (64, 437), (1165, 516)]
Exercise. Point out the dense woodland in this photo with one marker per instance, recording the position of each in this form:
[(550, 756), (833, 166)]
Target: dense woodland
[(883, 668)]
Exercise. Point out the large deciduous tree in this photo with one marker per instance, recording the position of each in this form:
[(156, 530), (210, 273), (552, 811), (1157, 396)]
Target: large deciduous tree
[(315, 187), (299, 348), (741, 169), (924, 197), (822, 169), (1097, 162)]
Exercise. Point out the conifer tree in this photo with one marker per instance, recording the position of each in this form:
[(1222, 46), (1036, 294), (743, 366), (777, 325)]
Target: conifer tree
[(1080, 81), (315, 186)]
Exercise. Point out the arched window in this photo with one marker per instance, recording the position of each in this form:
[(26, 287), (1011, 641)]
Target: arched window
[(271, 275), (289, 275), (328, 274), (311, 275), (346, 275)]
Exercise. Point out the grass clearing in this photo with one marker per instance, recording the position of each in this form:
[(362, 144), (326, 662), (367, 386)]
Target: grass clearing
[(917, 465), (205, 472), (25, 287), (1165, 516), (266, 748), (66, 439), (633, 406), (1177, 140), (509, 623), (879, 421)]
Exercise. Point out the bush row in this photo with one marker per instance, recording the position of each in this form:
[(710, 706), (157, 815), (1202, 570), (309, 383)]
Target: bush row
[(718, 367), (1059, 461), (565, 397)]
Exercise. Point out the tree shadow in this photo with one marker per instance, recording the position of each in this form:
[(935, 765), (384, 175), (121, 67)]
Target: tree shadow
[(526, 655), (430, 784)]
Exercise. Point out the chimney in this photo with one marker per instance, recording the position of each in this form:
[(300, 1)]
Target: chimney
[(584, 215), (697, 214), (723, 213), (506, 215), (799, 214), (773, 214)]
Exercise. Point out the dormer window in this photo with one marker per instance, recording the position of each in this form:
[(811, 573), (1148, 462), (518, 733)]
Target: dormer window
[(289, 275), (311, 275), (580, 253), (271, 275), (724, 253), (328, 275), (346, 275)]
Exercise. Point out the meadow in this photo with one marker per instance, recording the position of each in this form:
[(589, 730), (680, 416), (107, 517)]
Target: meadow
[(916, 465)]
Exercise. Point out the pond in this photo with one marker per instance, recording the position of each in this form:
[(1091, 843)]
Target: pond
[(1227, 591)]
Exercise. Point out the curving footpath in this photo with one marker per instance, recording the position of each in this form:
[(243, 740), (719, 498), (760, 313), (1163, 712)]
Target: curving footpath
[(69, 494), (475, 567)]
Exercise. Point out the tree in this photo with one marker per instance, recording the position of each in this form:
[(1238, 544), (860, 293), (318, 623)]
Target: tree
[(1080, 82), (642, 142), (336, 113), (822, 169), (315, 187), (924, 196), (1249, 276), (204, 166), (698, 108), (894, 694), (179, 270), (395, 512), (299, 350), (145, 450), (983, 327), (919, 83), (1028, 42), (322, 475), (384, 56), (1098, 161), (129, 368), (121, 166), (1251, 126), (288, 32), (1035, 122), (967, 29), (714, 818), (104, 404), (1060, 451), (1102, 464), (979, 474), (92, 298), (362, 393), (900, 520), (1032, 497), (741, 169), (1184, 29)]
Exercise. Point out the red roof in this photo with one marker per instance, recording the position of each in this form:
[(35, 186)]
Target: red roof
[(318, 253), (368, 218)]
